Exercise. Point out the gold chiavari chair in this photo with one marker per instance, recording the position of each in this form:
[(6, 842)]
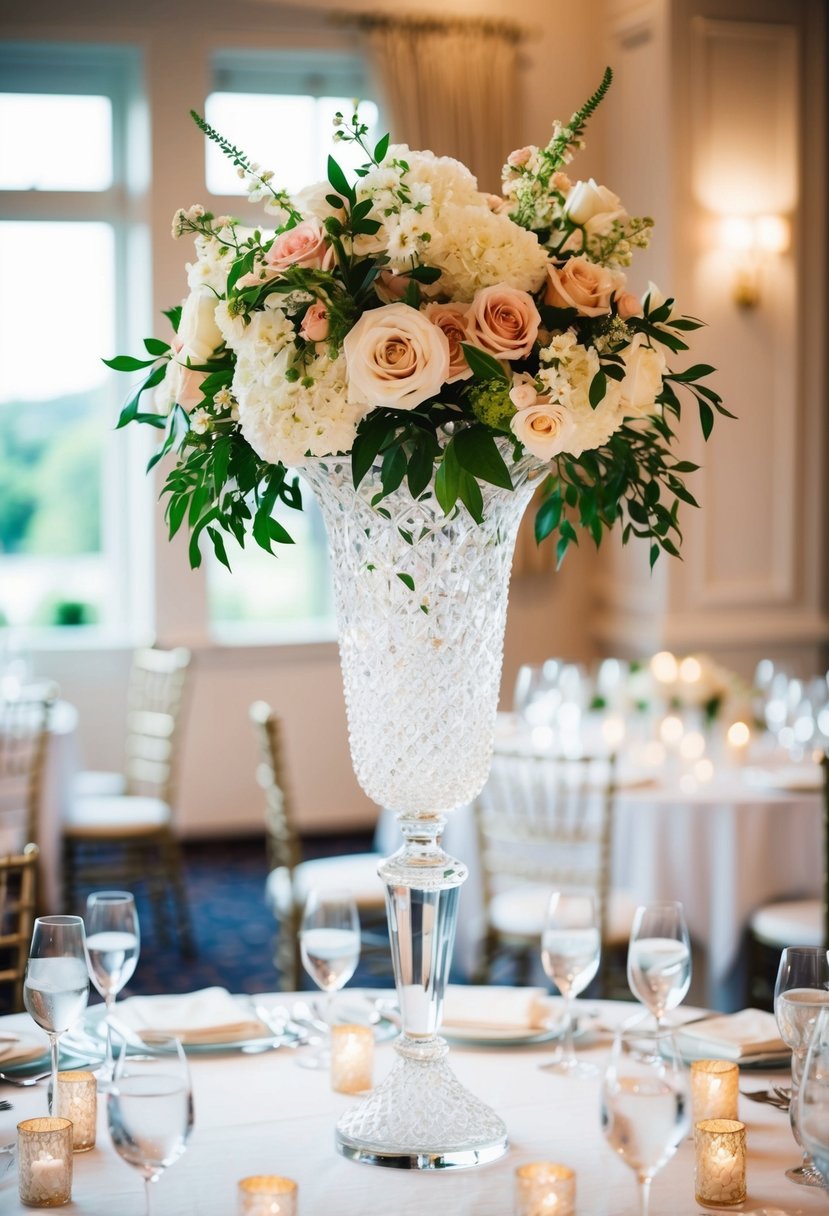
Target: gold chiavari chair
[(18, 885), (24, 727), (290, 878), (544, 823)]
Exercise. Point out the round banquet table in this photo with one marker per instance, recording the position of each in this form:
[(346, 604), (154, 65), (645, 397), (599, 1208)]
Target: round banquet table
[(263, 1114)]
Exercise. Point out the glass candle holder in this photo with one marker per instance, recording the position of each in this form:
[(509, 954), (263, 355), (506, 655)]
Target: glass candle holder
[(352, 1058), (77, 1100), (714, 1089), (720, 1162), (44, 1162), (543, 1188), (267, 1195)]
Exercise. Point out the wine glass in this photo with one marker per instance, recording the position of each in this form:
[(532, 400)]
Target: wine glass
[(150, 1107), (56, 986), (813, 1098), (329, 942), (112, 945), (801, 991), (570, 952), (659, 957), (644, 1105)]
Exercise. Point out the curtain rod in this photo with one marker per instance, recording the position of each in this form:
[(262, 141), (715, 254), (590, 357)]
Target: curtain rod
[(430, 23)]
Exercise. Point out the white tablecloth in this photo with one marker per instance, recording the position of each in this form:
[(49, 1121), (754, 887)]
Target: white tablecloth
[(264, 1114), (723, 850)]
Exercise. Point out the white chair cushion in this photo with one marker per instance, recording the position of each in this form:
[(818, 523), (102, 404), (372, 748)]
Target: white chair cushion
[(127, 814), (520, 913), (354, 872), (92, 784), (793, 922)]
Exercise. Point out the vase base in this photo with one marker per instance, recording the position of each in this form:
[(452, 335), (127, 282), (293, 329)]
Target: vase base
[(421, 1117)]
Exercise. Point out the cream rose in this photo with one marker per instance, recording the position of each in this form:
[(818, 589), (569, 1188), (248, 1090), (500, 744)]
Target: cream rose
[(182, 386), (396, 357), (544, 428), (582, 285), (594, 208), (198, 334), (304, 245), (503, 321), (644, 369), (451, 318)]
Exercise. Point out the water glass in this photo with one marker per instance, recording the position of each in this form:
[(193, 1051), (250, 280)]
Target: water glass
[(56, 985), (800, 994), (570, 952), (112, 946), (659, 958), (329, 942), (813, 1099)]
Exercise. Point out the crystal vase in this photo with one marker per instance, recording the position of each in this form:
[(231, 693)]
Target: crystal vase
[(421, 606)]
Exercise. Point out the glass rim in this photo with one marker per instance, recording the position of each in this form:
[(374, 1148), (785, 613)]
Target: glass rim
[(110, 897), (60, 919)]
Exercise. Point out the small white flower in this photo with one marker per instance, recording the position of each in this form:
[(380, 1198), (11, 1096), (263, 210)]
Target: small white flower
[(200, 421)]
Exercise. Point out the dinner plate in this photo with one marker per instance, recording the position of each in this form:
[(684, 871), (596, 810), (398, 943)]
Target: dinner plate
[(770, 1060), (489, 1036)]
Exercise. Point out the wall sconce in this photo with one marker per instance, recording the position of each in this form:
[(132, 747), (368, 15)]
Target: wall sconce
[(752, 240)]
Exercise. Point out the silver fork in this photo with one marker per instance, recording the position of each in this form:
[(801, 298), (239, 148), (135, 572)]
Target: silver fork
[(24, 1082)]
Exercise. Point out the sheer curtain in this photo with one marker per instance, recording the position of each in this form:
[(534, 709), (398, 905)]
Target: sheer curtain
[(450, 85)]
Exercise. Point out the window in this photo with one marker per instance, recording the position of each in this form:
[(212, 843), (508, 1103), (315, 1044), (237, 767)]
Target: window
[(63, 249), (279, 109)]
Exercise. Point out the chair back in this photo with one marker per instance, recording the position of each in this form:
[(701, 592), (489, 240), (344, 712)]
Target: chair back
[(24, 723), (282, 840), (825, 892), (155, 699), (18, 873), (546, 820)]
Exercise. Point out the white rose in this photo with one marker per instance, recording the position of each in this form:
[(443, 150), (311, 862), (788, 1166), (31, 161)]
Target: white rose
[(198, 332), (544, 428), (396, 357), (593, 207), (644, 369)]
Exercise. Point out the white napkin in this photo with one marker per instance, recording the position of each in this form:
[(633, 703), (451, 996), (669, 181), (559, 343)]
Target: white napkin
[(496, 1008), (750, 1032), (208, 1016), (20, 1049)]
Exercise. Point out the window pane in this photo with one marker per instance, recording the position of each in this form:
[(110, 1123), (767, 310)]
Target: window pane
[(54, 142), (291, 135), (54, 417)]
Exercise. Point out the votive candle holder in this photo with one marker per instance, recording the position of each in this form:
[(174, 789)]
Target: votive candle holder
[(352, 1058), (44, 1162), (77, 1100), (714, 1089), (543, 1188), (720, 1162), (268, 1195)]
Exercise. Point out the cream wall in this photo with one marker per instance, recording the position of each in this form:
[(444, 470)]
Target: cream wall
[(639, 144)]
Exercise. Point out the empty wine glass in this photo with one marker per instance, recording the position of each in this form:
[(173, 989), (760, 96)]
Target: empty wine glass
[(570, 952), (112, 945), (813, 1099), (659, 957), (644, 1104), (329, 942), (56, 987), (150, 1107), (801, 992)]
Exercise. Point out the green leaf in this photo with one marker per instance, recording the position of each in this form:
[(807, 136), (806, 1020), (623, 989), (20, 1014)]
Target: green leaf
[(407, 579), (218, 546), (173, 315), (381, 148), (221, 460), (371, 437), (478, 454), (693, 373), (598, 388), (156, 347), (338, 180), (548, 517), (424, 274), (393, 469), (706, 417), (126, 363), (447, 478), (484, 366), (470, 495), (654, 554), (240, 267), (420, 469)]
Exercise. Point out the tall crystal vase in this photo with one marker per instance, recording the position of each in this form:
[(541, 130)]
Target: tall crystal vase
[(421, 606)]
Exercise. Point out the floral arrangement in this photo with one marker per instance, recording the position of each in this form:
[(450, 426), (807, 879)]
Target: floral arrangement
[(409, 318)]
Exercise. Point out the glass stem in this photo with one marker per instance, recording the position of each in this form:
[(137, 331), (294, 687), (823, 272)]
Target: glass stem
[(568, 1051), (54, 1049), (644, 1196), (109, 1061), (148, 1195)]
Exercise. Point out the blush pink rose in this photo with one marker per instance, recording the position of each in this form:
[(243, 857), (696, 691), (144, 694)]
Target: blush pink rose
[(627, 305), (185, 385), (391, 287), (451, 318), (503, 321), (582, 285), (304, 245), (395, 357), (315, 325)]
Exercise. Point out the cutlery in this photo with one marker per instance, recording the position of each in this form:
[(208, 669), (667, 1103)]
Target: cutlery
[(5, 1104), (283, 1027), (776, 1097), (24, 1082)]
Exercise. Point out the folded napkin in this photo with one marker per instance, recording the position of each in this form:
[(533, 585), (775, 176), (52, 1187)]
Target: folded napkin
[(208, 1016), (751, 1032), (21, 1049), (497, 1009)]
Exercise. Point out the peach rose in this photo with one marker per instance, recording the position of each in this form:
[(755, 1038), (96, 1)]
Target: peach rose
[(451, 318), (315, 326), (543, 428), (523, 394), (396, 357), (521, 157), (304, 245), (581, 285), (503, 321), (627, 305), (391, 287)]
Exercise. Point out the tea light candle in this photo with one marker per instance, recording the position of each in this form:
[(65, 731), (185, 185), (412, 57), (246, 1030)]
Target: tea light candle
[(545, 1189), (720, 1166), (77, 1100), (267, 1195), (714, 1089), (352, 1058), (44, 1170)]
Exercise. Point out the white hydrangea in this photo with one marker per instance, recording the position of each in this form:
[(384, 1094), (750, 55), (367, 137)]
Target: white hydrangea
[(474, 247), (213, 260), (284, 421), (565, 375), (263, 335)]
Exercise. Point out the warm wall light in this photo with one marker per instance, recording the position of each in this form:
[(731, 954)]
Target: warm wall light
[(752, 240)]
